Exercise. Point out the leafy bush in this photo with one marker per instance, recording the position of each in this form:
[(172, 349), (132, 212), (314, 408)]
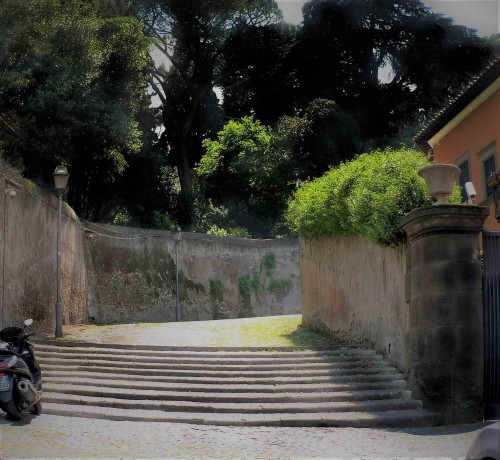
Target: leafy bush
[(248, 284), (217, 290), (366, 196), (269, 260), (280, 287), (237, 232)]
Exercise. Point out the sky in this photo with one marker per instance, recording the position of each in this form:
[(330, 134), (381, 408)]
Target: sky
[(482, 15)]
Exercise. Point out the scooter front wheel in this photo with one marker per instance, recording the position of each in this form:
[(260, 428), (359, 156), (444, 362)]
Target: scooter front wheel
[(36, 409), (12, 413)]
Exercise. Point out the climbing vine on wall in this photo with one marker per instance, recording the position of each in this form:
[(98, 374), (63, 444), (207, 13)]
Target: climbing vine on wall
[(262, 279)]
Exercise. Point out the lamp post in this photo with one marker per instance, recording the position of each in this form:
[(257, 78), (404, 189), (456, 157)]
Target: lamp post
[(61, 177), (494, 184), (176, 234)]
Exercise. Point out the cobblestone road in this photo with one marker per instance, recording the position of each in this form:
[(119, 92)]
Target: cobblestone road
[(49, 436)]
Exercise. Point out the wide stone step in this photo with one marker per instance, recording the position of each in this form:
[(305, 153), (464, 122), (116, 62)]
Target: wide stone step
[(210, 367), (217, 360), (206, 352), (204, 397), (398, 418), (279, 387), (223, 374), (241, 408), (293, 379), (216, 386)]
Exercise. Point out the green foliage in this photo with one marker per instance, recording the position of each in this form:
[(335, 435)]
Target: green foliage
[(350, 43), (456, 195), (269, 260), (217, 231), (249, 284), (237, 232), (367, 196), (260, 166), (217, 290), (122, 218), (280, 287), (258, 80), (253, 174), (193, 36), (185, 285), (70, 88), (162, 221), (319, 138)]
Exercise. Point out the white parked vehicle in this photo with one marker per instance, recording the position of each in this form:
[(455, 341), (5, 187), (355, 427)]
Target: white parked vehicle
[(486, 446)]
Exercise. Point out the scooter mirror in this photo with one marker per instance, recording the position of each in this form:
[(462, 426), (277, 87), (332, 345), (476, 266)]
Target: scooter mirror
[(28, 322)]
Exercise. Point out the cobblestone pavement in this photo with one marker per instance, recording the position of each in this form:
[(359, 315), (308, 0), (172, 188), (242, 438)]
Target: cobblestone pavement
[(50, 436)]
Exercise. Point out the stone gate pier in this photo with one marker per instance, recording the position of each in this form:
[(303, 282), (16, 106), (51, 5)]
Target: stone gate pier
[(444, 340)]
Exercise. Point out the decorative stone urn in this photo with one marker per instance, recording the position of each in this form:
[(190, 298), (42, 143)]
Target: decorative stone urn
[(440, 179)]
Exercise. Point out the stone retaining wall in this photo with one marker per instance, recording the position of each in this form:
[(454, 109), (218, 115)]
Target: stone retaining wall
[(130, 277), (356, 290), (28, 225), (220, 277)]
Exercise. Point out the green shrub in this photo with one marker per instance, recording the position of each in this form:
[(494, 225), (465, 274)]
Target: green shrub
[(366, 196), (237, 232), (217, 290), (280, 287), (248, 284), (269, 261)]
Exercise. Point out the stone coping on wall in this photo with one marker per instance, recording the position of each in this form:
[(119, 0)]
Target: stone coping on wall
[(277, 242), (444, 219), (38, 193)]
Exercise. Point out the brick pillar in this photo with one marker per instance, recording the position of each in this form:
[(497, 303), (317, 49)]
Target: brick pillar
[(444, 340)]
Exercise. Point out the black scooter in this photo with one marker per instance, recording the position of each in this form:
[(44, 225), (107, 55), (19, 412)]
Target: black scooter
[(20, 374)]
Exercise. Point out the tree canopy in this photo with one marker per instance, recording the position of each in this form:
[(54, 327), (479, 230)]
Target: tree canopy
[(252, 169), (192, 37), (345, 47), (71, 84), (259, 105)]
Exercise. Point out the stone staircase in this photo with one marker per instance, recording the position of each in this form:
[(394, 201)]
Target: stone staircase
[(341, 387)]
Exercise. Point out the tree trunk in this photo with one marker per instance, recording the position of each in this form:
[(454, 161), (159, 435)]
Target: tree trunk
[(186, 204)]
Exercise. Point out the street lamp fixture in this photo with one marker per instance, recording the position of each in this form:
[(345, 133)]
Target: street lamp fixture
[(494, 183), (176, 235), (61, 177)]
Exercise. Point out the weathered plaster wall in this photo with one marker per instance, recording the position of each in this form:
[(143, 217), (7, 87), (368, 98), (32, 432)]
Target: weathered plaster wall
[(28, 224), (120, 280), (220, 277), (356, 290)]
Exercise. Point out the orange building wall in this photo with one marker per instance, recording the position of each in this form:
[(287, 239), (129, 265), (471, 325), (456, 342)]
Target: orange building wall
[(472, 135)]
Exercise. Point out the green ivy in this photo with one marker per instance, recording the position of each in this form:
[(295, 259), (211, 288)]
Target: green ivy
[(248, 284), (216, 290), (280, 287), (269, 261)]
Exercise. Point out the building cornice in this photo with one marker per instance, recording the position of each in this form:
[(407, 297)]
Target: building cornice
[(463, 114)]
